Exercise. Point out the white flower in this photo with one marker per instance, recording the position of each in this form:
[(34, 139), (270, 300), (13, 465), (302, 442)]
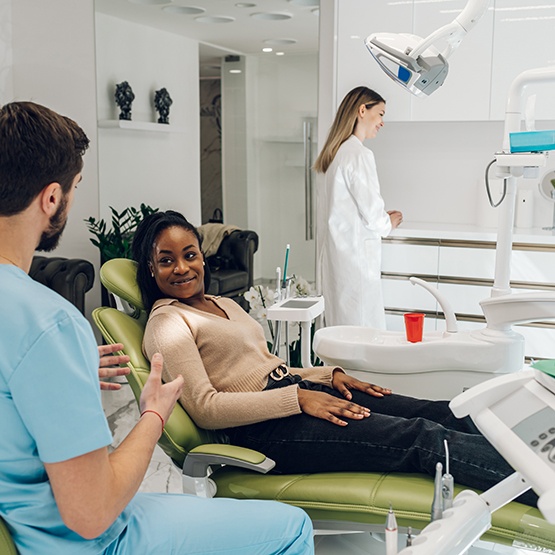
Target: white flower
[(261, 314), (301, 287)]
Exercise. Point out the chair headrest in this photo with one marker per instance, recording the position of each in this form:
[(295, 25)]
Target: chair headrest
[(119, 276)]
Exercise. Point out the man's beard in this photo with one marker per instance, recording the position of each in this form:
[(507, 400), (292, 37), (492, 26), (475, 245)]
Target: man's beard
[(51, 237)]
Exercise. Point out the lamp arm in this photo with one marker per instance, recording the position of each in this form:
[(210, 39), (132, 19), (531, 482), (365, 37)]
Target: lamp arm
[(455, 31)]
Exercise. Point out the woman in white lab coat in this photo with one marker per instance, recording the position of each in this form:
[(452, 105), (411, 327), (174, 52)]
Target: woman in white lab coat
[(351, 218)]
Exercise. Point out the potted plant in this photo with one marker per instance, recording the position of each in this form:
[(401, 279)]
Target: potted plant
[(117, 241)]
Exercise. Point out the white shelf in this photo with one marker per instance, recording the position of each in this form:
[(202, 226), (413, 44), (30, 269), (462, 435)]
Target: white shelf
[(139, 126)]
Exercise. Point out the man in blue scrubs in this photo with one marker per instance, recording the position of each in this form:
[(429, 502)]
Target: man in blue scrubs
[(61, 490)]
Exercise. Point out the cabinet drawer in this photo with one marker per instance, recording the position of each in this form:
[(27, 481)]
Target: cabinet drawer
[(409, 259), (533, 266), (401, 294), (465, 299), (467, 262)]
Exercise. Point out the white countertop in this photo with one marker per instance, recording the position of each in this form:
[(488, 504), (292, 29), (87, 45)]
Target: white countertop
[(427, 230)]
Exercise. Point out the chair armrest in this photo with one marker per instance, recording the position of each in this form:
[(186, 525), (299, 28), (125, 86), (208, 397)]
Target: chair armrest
[(200, 458), (69, 277)]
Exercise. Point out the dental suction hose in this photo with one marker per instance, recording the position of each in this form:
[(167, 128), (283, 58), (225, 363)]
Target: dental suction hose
[(450, 319)]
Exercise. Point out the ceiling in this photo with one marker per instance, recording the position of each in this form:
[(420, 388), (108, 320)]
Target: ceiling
[(228, 26)]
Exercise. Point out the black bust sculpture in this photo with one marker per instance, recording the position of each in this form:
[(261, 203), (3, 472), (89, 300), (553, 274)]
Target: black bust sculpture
[(162, 103), (124, 97)]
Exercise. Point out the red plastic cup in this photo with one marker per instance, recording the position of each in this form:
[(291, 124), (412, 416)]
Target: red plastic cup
[(414, 325)]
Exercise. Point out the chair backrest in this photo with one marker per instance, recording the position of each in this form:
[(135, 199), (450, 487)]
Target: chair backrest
[(119, 277), (7, 546)]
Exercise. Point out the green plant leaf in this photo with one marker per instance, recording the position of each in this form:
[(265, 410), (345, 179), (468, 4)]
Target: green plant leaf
[(117, 242)]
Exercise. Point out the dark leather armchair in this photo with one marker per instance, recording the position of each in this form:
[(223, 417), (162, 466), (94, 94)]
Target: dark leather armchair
[(70, 277), (231, 268)]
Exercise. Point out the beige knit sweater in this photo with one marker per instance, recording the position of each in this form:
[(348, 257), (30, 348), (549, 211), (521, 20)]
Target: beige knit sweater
[(225, 363)]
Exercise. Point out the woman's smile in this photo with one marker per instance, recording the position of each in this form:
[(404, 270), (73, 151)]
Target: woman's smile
[(178, 264)]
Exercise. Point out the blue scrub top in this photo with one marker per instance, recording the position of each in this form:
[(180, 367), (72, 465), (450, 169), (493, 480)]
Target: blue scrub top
[(50, 409)]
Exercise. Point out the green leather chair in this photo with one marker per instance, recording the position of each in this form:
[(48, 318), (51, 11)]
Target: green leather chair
[(334, 501), (7, 546)]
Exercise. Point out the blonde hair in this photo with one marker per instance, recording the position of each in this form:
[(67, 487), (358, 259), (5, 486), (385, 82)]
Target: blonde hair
[(344, 124)]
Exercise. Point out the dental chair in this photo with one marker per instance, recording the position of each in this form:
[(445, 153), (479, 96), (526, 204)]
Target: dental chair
[(339, 501), (7, 546)]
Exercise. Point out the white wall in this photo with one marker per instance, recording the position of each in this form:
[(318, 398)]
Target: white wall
[(47, 55), (159, 169), (6, 74), (283, 96), (54, 64)]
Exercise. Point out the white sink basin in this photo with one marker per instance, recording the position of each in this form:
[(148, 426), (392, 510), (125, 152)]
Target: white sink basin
[(441, 366)]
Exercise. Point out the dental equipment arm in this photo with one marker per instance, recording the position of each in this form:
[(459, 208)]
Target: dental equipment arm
[(450, 319), (414, 62), (511, 166), (516, 413)]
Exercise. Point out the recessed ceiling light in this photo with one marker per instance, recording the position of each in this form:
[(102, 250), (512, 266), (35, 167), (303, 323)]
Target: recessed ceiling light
[(149, 2), (267, 49), (280, 42), (280, 53), (235, 71), (271, 16), (245, 5), (184, 10), (214, 19), (305, 2)]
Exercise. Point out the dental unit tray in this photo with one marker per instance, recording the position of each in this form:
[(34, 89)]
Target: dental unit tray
[(297, 309), (532, 141), (516, 413)]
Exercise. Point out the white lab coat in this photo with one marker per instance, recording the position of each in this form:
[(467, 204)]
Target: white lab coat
[(351, 221)]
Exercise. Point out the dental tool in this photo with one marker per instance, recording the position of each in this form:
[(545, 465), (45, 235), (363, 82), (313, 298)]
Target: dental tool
[(447, 482), (278, 284), (437, 503), (409, 537), (284, 281), (391, 533)]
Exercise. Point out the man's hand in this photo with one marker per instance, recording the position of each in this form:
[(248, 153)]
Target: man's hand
[(156, 395), (109, 365)]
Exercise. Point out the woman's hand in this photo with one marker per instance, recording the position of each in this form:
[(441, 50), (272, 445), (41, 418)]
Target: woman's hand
[(343, 383), (108, 367), (326, 406), (396, 218)]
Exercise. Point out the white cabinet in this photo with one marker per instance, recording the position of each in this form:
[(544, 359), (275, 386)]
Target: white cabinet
[(463, 272)]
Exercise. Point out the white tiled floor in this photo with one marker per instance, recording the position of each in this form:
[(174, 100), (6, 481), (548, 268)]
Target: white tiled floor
[(162, 476)]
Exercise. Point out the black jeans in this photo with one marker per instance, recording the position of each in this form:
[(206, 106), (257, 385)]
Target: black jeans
[(402, 434)]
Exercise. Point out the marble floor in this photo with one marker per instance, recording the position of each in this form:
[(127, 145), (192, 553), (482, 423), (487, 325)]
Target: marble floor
[(162, 476)]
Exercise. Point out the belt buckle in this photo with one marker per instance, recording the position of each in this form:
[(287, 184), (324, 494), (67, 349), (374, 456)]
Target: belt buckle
[(279, 373)]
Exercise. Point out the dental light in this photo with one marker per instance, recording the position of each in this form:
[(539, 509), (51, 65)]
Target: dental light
[(415, 63)]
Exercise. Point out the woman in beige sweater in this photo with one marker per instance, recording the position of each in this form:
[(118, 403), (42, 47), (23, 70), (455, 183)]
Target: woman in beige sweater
[(306, 419)]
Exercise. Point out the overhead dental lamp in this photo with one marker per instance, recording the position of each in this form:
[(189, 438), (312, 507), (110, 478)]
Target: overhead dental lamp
[(415, 63)]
